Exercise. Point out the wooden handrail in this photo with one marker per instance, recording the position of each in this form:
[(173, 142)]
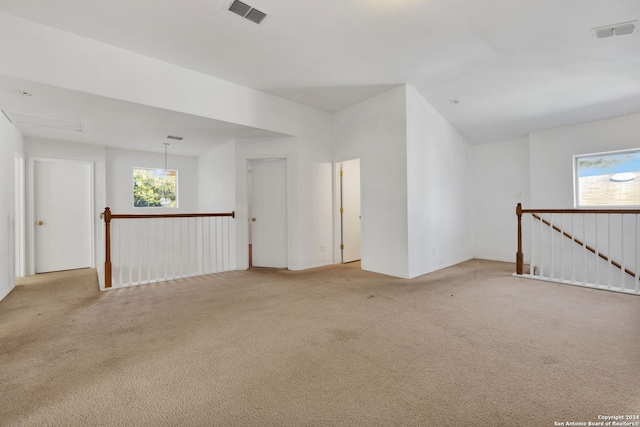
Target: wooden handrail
[(108, 216), (581, 211), (188, 215), (535, 212)]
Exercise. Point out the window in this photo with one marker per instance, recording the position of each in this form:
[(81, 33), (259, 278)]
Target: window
[(155, 188), (608, 179)]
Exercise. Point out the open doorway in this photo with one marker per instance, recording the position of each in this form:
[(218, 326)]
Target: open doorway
[(350, 214)]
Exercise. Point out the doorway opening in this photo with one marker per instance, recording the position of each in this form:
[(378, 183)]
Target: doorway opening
[(350, 211), (267, 213)]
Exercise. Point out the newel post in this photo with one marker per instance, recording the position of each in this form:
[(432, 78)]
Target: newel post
[(519, 255), (106, 215)]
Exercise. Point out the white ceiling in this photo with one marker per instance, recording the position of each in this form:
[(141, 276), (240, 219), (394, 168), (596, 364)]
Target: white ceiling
[(516, 66), (116, 123)]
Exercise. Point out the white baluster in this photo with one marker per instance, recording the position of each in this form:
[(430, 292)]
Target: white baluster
[(130, 266), (597, 281), (551, 232), (173, 247), (139, 251), (622, 273), (157, 246), (531, 254), (201, 246), (562, 245), (119, 251), (609, 254), (573, 249), (541, 246), (231, 235), (637, 254), (584, 249), (148, 260), (164, 248), (215, 239)]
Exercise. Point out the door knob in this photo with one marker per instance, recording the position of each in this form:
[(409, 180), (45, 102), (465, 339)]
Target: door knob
[(253, 219), (40, 222)]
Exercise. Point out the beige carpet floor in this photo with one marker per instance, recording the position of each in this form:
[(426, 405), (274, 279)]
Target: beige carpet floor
[(469, 345)]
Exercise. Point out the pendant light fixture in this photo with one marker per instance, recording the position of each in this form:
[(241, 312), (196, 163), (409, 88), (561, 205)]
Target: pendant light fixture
[(166, 144), (164, 200)]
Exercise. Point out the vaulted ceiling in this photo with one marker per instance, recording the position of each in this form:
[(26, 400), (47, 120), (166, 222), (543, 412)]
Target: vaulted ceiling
[(515, 66)]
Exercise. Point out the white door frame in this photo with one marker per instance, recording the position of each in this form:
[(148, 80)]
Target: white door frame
[(249, 195), (346, 202), (337, 219), (31, 209), (19, 212)]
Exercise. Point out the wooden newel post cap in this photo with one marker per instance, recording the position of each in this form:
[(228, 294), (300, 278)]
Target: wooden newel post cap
[(107, 215), (519, 209)]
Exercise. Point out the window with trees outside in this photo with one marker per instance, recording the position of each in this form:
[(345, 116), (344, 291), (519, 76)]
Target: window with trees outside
[(156, 188), (608, 179)]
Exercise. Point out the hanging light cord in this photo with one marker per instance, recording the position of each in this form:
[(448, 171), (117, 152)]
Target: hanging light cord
[(165, 157)]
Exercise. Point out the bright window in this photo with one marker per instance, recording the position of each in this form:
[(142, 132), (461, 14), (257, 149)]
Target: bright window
[(608, 179), (156, 188)]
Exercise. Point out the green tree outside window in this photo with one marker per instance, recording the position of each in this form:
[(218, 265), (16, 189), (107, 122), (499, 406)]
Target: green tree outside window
[(155, 188)]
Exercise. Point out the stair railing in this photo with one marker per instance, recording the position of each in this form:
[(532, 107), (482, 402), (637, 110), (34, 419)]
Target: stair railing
[(598, 248), (142, 249)]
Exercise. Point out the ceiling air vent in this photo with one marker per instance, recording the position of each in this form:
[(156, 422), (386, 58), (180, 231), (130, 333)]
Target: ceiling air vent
[(247, 12), (615, 30)]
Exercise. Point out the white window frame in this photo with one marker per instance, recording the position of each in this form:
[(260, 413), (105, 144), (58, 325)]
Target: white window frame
[(155, 207), (576, 179)]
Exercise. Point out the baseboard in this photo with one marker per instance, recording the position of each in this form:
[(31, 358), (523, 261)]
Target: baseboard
[(13, 286), (312, 266), (440, 267), (511, 260)]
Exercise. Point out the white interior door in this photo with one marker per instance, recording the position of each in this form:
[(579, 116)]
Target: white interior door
[(62, 214), (269, 213), (350, 197)]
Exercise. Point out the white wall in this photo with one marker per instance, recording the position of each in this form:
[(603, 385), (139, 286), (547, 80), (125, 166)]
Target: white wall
[(120, 164), (551, 175), (309, 226), (439, 175), (314, 193), (500, 182), (551, 155), (46, 55), (375, 131), (35, 147), (11, 142), (43, 54), (264, 148), (538, 168), (217, 179)]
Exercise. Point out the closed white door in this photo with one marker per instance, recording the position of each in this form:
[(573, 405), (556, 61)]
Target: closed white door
[(269, 213), (62, 213), (350, 197)]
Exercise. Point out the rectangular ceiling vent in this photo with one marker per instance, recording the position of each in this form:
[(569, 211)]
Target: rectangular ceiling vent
[(247, 11), (50, 122), (615, 30)]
